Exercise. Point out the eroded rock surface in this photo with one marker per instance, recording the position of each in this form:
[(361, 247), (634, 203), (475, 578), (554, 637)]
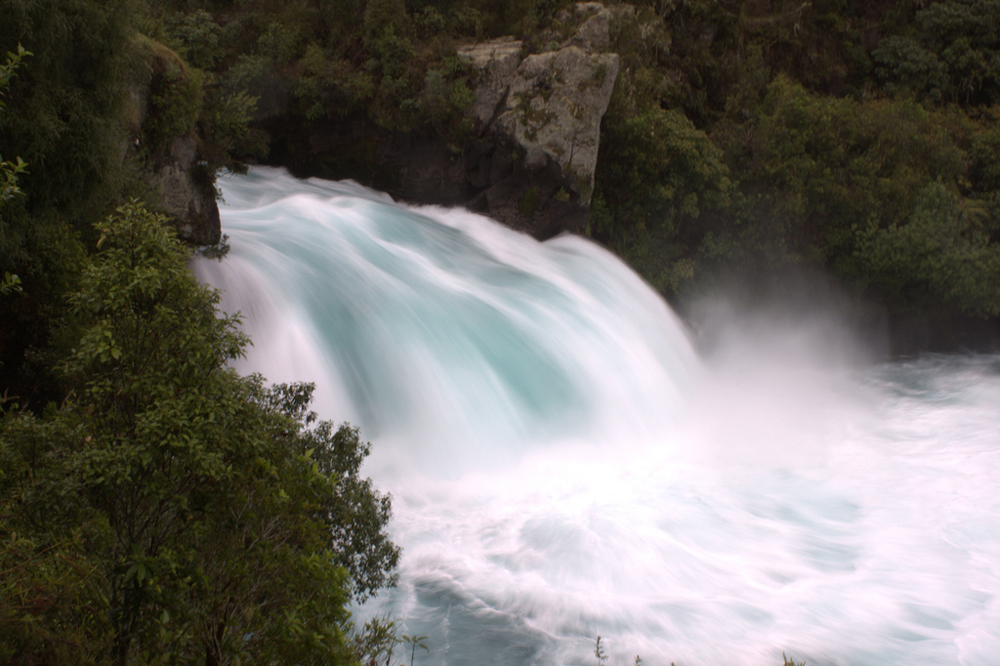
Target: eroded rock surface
[(190, 203), (536, 120), (539, 119), (173, 168), (554, 108), (497, 61)]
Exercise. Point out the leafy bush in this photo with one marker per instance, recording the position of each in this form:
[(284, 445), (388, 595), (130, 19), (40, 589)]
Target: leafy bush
[(818, 166), (63, 117), (657, 173), (176, 96), (65, 110), (198, 36), (953, 56), (942, 254), (169, 509), (384, 18)]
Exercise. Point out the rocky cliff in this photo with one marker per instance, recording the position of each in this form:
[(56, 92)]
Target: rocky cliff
[(537, 122)]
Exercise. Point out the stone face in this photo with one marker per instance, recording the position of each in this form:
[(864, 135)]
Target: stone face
[(595, 24), (427, 171), (554, 108), (496, 61), (539, 122), (536, 132), (191, 204)]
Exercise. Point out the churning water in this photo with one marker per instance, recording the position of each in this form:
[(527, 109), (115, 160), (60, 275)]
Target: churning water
[(563, 465)]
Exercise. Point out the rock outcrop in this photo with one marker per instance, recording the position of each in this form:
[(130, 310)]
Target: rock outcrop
[(539, 119), (535, 117), (536, 120), (554, 108), (169, 153), (188, 200), (496, 62)]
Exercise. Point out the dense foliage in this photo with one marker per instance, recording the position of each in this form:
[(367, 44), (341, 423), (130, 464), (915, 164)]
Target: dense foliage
[(169, 510), (155, 507), (744, 136), (825, 140), (60, 117), (328, 78)]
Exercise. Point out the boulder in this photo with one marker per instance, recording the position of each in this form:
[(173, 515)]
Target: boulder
[(496, 62), (553, 112), (539, 120), (535, 117), (594, 25)]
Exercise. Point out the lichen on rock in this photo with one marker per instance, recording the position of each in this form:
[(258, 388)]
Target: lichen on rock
[(542, 113), (554, 108), (496, 61)]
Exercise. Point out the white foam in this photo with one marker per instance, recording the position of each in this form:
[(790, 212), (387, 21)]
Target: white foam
[(562, 465)]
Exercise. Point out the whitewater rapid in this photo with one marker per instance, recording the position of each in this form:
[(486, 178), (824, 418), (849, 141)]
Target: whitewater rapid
[(563, 465)]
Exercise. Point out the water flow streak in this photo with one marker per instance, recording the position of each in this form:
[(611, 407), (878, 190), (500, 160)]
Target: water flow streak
[(563, 466)]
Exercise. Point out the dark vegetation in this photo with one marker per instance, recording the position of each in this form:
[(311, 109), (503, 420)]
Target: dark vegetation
[(746, 138), (169, 510), (759, 138), (153, 504)]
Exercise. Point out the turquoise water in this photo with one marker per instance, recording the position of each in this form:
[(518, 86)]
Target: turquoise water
[(563, 463)]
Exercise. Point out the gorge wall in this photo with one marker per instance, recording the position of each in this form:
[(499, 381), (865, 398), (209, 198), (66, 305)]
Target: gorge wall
[(528, 162)]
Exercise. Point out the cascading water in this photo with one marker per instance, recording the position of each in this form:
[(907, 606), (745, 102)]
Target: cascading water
[(562, 464)]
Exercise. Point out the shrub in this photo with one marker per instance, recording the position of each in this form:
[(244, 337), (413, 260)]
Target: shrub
[(201, 515)]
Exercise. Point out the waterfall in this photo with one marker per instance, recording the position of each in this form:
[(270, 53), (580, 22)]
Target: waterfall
[(441, 328), (564, 465)]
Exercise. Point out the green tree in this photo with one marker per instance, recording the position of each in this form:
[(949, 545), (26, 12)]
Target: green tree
[(63, 116), (656, 176), (810, 168), (205, 516), (64, 113), (950, 54), (10, 170), (942, 254), (384, 18)]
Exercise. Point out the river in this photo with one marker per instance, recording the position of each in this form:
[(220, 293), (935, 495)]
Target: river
[(564, 464)]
